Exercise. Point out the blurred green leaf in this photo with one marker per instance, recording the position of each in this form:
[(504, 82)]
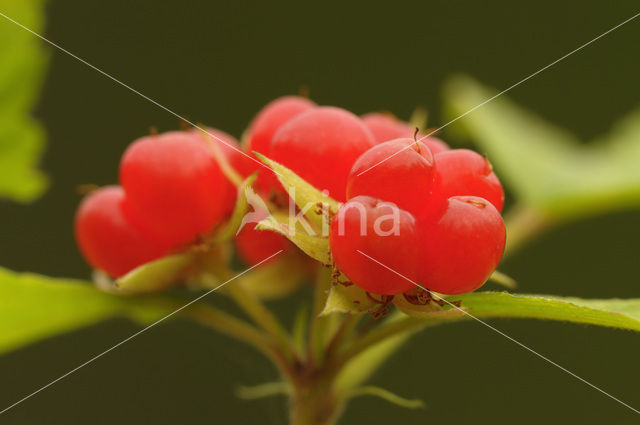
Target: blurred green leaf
[(22, 139), (34, 307), (306, 197), (545, 165)]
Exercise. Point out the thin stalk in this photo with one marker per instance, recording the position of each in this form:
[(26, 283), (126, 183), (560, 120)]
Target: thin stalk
[(318, 323), (239, 330), (245, 300), (261, 316), (378, 335), (523, 225), (347, 326)]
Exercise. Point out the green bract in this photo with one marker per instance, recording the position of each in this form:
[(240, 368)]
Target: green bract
[(546, 167)]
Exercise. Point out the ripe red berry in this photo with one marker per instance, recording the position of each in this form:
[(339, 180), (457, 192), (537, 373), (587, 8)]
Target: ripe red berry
[(435, 145), (253, 246), (386, 127), (321, 146), (382, 231), (230, 148), (107, 239), (174, 186), (271, 117), (462, 246), (399, 171), (463, 172), (260, 134)]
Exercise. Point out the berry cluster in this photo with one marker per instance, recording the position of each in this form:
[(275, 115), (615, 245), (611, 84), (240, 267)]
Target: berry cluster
[(173, 192), (448, 235)]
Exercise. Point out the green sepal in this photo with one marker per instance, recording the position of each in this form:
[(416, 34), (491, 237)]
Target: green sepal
[(347, 299), (307, 197), (316, 247), (156, 275)]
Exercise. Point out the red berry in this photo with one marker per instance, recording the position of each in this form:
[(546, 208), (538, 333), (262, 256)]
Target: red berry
[(230, 148), (271, 117), (386, 127), (107, 239), (382, 231), (399, 171), (462, 172), (462, 246), (321, 146), (260, 134), (174, 186), (253, 246), (435, 145)]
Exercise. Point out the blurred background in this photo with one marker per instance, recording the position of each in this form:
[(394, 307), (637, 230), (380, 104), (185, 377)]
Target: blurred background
[(218, 62)]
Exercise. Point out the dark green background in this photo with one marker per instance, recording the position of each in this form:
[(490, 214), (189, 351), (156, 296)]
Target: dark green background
[(218, 63)]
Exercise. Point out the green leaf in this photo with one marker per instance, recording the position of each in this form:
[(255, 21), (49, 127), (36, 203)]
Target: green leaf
[(33, 307), (347, 299), (545, 165), (615, 313), (156, 275), (367, 355), (22, 139), (316, 247), (306, 197)]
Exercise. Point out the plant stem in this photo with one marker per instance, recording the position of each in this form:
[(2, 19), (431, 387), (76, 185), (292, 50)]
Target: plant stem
[(314, 403), (396, 325), (261, 316), (317, 323), (347, 326), (239, 330), (523, 225)]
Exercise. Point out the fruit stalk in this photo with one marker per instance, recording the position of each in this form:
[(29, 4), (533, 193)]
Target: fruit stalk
[(523, 225), (313, 402)]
